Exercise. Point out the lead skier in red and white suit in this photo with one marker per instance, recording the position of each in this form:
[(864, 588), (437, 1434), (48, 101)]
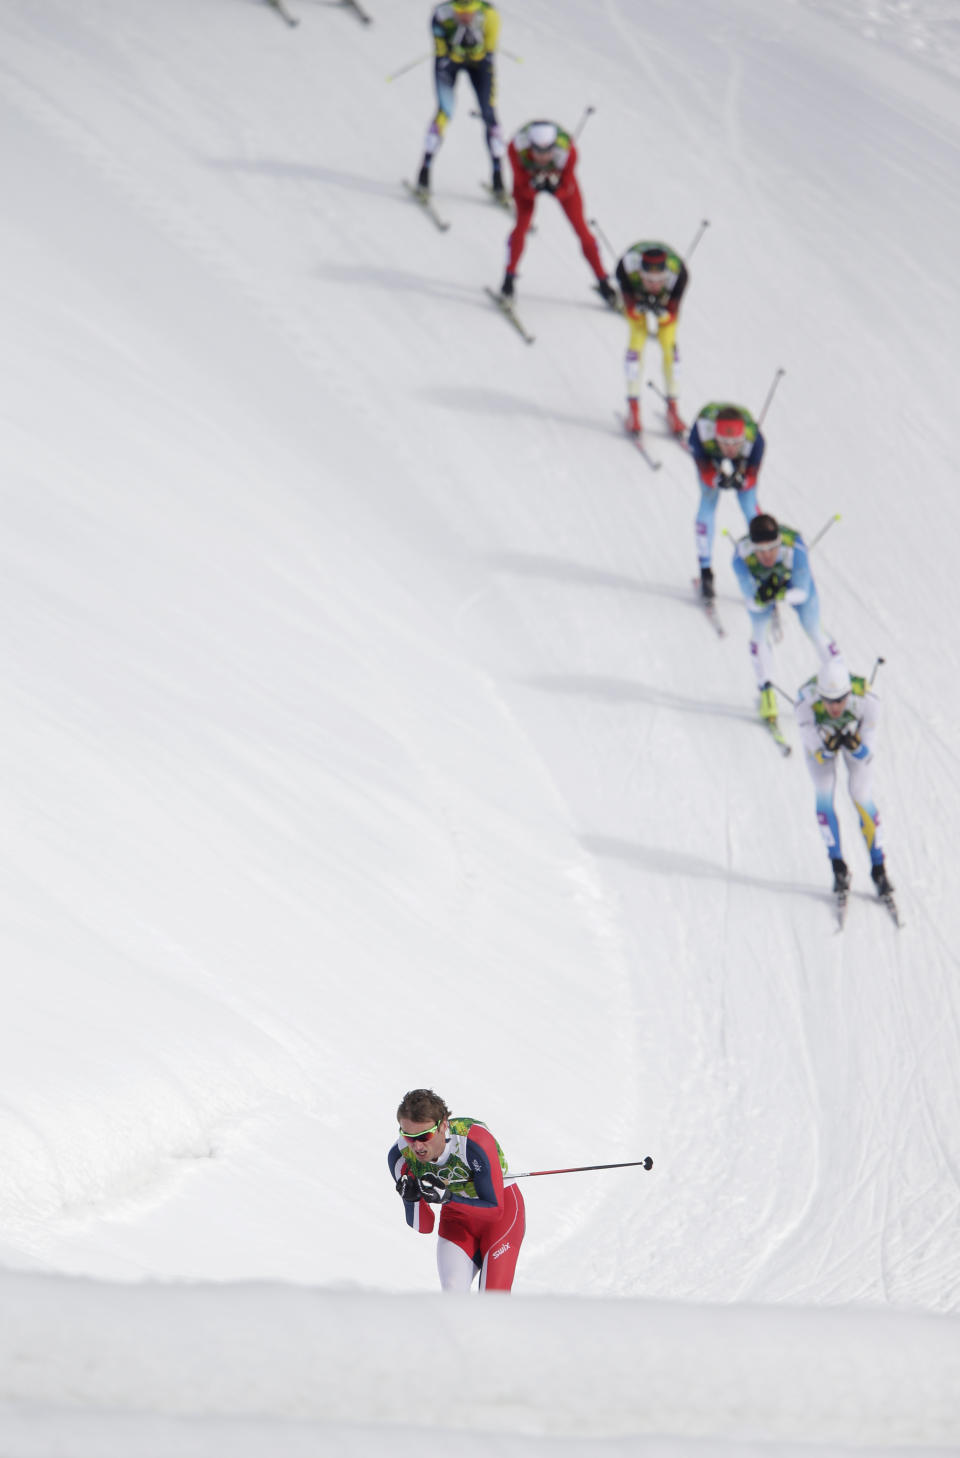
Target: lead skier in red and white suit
[(457, 1164), (544, 159)]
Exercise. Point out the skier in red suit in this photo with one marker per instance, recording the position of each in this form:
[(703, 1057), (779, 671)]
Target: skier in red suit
[(544, 159), (457, 1165)]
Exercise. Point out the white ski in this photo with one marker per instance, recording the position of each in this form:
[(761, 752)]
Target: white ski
[(710, 608), (637, 442), (509, 313), (280, 7), (422, 199)]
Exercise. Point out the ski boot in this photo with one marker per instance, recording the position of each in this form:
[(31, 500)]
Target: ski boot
[(423, 180), (879, 877), (607, 292), (634, 426), (707, 590), (674, 423), (841, 877), (506, 288), (768, 703), (496, 186)]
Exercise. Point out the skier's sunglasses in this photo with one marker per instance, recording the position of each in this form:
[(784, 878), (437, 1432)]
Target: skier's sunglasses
[(421, 1134)]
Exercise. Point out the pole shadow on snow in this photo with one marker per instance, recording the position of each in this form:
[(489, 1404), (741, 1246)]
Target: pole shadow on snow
[(675, 863)]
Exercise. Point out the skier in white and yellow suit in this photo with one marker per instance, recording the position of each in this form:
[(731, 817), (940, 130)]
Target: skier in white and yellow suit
[(465, 35)]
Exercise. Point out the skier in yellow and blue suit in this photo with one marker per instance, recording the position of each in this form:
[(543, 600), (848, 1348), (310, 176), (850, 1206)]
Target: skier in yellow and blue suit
[(465, 35)]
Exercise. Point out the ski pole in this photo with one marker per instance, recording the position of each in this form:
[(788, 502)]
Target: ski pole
[(587, 114), (770, 394), (646, 1163), (823, 531), (878, 665), (594, 223), (409, 67), (704, 225)]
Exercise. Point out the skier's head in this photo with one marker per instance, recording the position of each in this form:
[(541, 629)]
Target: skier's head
[(653, 267), (422, 1118), (765, 536), (541, 140), (730, 432), (833, 687)]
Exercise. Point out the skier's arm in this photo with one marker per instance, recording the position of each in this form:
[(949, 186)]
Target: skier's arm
[(486, 1175), (706, 469), (567, 185), (861, 738), (810, 736), (801, 578), (683, 278), (491, 30), (754, 462), (418, 1213), (745, 580)]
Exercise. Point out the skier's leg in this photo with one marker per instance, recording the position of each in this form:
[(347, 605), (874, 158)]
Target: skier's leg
[(484, 86), (705, 524), (809, 614), (572, 204), (824, 778), (445, 74), (455, 1265), (861, 793), (748, 503), (760, 654), (503, 1247), (632, 361), (516, 240), (667, 335)]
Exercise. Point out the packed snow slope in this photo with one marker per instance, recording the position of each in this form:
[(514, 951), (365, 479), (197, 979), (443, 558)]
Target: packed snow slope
[(360, 729)]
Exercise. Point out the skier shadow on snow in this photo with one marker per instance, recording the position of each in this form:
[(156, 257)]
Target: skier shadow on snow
[(502, 402), (629, 691), (304, 172), (675, 863), (395, 281), (523, 564)]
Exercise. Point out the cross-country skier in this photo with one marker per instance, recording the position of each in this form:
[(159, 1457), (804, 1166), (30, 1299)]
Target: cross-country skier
[(771, 565), (465, 35), (544, 159), (838, 717), (727, 445), (458, 1166), (652, 281)]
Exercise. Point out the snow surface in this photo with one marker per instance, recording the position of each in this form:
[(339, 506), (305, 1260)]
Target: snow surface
[(360, 732)]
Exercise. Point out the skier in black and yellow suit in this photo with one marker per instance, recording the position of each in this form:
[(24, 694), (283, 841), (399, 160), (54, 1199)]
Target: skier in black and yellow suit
[(465, 35)]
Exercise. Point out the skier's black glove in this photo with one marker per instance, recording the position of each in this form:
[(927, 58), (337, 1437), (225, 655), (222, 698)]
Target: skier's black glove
[(407, 1188), (833, 741), (770, 587), (850, 738), (433, 1190)]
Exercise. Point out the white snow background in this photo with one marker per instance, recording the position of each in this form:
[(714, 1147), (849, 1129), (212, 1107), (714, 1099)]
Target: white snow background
[(360, 731)]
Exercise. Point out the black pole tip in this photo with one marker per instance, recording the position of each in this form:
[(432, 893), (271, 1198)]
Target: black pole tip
[(648, 1163)]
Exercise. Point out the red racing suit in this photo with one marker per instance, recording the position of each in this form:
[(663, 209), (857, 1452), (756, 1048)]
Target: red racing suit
[(483, 1216), (560, 180)]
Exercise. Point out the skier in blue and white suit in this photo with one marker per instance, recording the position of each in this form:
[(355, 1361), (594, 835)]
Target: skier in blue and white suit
[(839, 719), (771, 565)]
